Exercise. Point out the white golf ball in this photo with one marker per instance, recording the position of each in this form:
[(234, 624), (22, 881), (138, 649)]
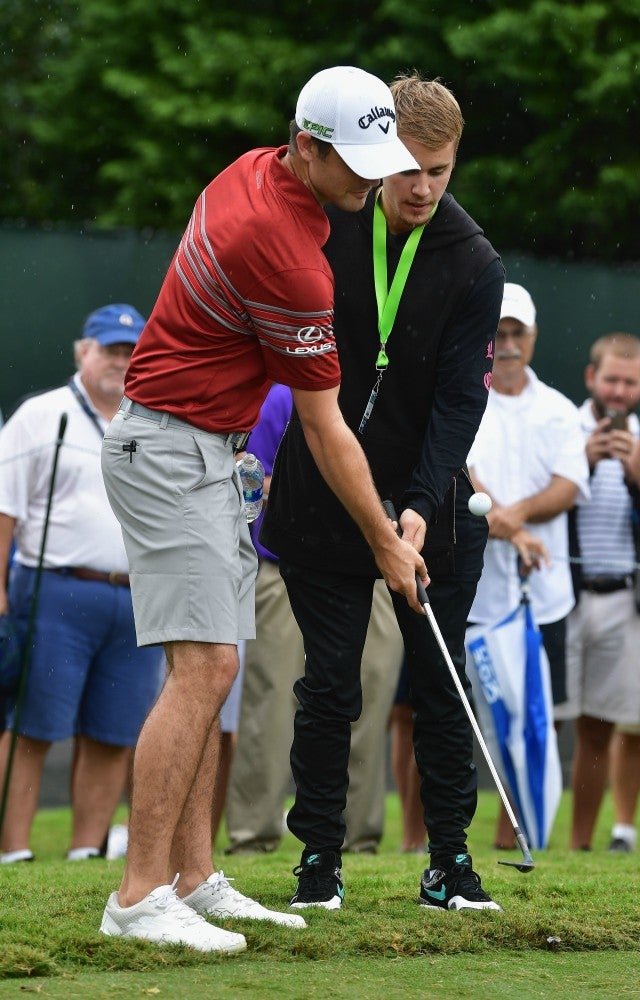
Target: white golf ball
[(480, 504)]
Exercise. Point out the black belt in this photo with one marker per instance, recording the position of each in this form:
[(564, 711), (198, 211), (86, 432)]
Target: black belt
[(80, 573), (237, 439), (606, 584)]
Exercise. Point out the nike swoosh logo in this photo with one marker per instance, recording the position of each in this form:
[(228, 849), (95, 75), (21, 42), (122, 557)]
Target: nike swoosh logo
[(437, 895)]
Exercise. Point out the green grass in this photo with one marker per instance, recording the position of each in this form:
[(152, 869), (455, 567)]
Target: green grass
[(380, 945)]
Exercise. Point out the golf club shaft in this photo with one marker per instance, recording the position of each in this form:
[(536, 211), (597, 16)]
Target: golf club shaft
[(467, 705), (423, 597)]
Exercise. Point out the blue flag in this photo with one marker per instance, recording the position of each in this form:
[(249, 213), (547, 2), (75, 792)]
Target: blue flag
[(509, 672)]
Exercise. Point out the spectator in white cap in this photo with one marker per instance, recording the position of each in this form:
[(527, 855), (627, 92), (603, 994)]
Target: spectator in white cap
[(529, 457), (247, 301)]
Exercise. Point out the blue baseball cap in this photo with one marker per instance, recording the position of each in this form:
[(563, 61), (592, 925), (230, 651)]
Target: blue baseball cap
[(115, 324)]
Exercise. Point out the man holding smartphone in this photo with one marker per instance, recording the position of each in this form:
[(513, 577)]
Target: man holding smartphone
[(603, 633)]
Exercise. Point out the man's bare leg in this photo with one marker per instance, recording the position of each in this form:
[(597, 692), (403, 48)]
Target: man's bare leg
[(407, 778), (98, 780), (191, 851), (227, 749), (175, 740), (24, 788), (589, 779), (625, 776)]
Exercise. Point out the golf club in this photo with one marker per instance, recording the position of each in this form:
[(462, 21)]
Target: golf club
[(527, 863), (26, 649)]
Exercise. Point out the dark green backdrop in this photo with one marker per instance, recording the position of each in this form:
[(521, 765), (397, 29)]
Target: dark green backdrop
[(52, 280)]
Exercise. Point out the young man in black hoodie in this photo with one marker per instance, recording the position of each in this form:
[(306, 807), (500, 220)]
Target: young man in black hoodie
[(417, 303)]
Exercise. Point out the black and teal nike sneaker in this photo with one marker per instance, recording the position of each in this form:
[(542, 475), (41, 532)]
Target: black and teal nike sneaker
[(319, 881), (456, 888)]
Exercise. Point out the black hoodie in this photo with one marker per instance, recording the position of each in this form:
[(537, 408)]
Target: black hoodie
[(432, 395)]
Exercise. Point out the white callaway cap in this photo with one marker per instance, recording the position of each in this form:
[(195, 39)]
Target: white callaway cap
[(517, 304), (354, 111)]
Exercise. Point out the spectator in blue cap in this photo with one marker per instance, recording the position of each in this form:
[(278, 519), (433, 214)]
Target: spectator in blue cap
[(116, 324), (87, 679)]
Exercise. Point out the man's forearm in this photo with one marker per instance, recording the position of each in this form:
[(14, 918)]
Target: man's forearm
[(505, 520), (540, 507)]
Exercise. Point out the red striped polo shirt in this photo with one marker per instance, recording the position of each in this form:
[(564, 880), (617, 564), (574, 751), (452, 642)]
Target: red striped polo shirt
[(247, 301)]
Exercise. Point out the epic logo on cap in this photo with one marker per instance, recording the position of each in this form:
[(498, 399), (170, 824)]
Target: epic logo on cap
[(321, 131)]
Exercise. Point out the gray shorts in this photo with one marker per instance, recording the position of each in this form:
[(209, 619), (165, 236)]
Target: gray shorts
[(603, 679), (177, 495)]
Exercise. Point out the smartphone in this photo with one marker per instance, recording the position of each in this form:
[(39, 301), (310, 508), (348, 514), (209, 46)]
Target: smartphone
[(618, 420)]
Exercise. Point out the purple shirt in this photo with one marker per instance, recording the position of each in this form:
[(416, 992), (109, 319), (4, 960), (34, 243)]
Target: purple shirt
[(263, 443)]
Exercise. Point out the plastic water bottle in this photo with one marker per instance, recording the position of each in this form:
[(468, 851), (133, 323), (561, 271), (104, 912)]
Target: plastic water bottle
[(251, 472)]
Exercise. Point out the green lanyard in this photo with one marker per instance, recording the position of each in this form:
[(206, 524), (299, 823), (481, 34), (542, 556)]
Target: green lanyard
[(388, 299)]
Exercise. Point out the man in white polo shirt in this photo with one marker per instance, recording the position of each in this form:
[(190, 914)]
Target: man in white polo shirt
[(86, 678), (528, 455)]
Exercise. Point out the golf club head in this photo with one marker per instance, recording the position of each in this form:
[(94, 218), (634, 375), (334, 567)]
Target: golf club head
[(526, 865)]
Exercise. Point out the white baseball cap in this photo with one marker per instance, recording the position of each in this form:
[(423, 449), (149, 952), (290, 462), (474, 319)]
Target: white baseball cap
[(354, 112), (517, 304)]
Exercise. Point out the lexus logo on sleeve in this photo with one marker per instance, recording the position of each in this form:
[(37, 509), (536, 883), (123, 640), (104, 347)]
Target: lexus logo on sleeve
[(309, 334)]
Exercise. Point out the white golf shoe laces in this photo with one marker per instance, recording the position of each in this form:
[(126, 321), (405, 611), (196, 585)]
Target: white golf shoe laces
[(217, 898)]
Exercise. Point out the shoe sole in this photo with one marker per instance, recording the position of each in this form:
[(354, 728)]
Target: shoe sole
[(281, 919), (328, 904), (232, 949), (466, 905), (462, 905)]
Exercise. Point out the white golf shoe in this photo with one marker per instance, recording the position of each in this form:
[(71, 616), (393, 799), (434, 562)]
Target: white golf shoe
[(11, 857), (217, 898), (117, 842), (164, 918)]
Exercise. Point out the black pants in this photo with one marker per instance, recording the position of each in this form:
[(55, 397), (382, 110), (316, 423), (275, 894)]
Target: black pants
[(332, 611)]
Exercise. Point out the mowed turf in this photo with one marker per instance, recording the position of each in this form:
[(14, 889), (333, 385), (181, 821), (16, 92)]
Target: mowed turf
[(572, 924)]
